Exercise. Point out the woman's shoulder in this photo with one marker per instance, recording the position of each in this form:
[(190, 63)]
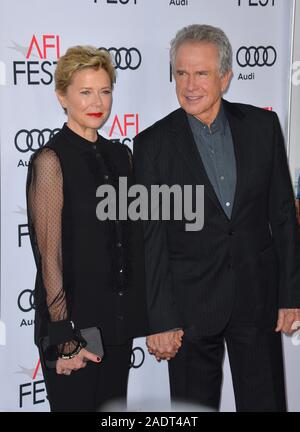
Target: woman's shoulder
[(48, 153), (46, 159)]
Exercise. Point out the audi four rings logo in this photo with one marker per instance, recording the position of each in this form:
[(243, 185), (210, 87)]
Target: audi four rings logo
[(125, 58), (256, 56), (34, 139), (137, 357), (26, 300)]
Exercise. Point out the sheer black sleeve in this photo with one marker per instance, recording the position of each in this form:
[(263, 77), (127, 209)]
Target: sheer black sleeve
[(45, 204)]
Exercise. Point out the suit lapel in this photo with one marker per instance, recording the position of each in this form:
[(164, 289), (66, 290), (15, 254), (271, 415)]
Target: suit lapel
[(184, 141), (241, 138), (186, 146)]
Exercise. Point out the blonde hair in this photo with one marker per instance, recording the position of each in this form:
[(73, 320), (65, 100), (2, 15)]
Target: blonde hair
[(81, 57)]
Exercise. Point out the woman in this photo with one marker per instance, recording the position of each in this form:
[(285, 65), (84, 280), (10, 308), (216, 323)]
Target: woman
[(89, 272)]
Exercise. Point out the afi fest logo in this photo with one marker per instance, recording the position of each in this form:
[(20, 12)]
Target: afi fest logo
[(40, 60), (256, 2), (296, 73), (123, 127), (116, 2), (32, 392)]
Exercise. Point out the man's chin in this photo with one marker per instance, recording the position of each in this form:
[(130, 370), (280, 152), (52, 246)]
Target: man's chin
[(191, 110)]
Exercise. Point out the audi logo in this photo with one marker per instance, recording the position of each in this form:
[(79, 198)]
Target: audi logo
[(137, 358), (26, 300), (125, 58), (256, 56), (34, 139)]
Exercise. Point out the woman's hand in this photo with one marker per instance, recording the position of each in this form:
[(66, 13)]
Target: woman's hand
[(65, 367)]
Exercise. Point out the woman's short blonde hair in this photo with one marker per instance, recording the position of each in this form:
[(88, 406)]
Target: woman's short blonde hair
[(81, 57)]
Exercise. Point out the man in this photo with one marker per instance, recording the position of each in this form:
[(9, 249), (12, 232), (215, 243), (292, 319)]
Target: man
[(238, 279)]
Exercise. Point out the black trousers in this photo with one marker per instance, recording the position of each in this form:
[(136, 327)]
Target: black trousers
[(93, 387), (255, 356)]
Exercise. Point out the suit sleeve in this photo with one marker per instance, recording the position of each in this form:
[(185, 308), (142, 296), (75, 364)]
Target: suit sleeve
[(282, 214), (162, 314)]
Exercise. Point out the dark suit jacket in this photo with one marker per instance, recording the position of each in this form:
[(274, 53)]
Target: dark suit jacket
[(252, 260)]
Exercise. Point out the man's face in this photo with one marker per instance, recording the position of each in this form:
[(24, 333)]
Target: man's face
[(199, 85)]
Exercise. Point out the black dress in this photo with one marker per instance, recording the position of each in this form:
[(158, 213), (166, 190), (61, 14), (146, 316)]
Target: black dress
[(90, 273)]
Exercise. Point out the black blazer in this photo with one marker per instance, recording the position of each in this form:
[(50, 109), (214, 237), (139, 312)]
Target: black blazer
[(251, 260)]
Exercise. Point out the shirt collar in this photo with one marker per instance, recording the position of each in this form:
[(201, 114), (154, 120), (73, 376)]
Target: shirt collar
[(218, 125)]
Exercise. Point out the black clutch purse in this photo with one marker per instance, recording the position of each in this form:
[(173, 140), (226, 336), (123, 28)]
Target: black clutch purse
[(91, 341)]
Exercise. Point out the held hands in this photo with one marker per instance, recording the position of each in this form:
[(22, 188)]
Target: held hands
[(165, 346), (65, 367), (288, 320)]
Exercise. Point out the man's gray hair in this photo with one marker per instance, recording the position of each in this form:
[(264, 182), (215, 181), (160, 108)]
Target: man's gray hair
[(208, 34)]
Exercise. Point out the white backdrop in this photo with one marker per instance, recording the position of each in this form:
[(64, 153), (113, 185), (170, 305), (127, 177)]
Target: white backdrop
[(33, 34)]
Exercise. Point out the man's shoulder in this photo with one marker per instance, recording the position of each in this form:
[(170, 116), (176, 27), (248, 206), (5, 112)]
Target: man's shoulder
[(249, 111), (162, 126)]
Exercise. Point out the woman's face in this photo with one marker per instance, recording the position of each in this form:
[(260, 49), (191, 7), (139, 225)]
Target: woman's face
[(88, 101)]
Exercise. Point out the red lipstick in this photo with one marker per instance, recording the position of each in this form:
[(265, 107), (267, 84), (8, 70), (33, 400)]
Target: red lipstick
[(98, 114)]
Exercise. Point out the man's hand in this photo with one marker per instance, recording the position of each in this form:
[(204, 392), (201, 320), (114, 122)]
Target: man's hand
[(165, 345), (65, 367), (288, 320)]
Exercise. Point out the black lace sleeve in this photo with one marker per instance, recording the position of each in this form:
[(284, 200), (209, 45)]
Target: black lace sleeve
[(45, 203)]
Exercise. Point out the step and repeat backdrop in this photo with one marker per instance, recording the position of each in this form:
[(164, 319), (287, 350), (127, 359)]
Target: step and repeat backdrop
[(33, 35)]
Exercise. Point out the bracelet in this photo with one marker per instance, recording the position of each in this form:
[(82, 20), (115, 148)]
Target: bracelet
[(73, 353)]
